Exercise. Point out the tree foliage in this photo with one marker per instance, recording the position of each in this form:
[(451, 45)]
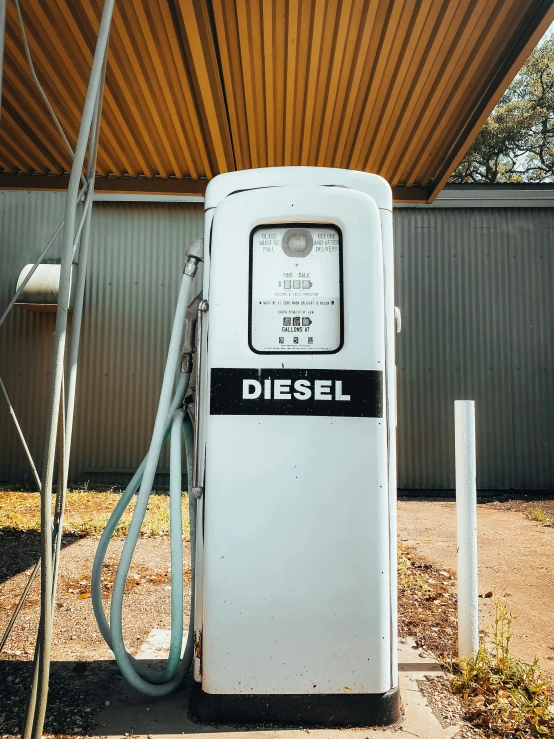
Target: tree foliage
[(516, 144)]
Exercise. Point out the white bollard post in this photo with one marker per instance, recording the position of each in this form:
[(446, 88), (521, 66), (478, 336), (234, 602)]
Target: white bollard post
[(466, 528)]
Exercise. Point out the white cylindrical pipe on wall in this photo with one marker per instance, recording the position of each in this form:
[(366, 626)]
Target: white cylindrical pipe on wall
[(466, 528)]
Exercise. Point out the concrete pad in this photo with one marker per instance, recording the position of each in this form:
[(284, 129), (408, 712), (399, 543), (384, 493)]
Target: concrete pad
[(156, 645), (132, 713)]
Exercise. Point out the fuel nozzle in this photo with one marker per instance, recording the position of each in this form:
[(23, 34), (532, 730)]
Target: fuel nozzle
[(189, 334), (195, 254)]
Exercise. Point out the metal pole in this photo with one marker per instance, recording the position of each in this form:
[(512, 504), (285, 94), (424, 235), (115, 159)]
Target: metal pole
[(87, 207), (81, 281), (68, 411), (56, 530), (61, 491), (34, 724), (36, 79), (2, 37), (19, 605), (20, 433), (466, 525)]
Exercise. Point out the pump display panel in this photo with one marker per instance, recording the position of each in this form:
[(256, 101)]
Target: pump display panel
[(295, 302)]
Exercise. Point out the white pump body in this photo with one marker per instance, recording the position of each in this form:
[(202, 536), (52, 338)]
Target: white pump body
[(296, 545)]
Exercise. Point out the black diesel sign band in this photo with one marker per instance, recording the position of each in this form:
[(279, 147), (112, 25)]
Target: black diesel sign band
[(296, 392)]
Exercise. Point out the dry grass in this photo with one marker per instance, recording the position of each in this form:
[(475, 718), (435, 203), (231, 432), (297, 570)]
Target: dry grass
[(86, 513), (538, 514)]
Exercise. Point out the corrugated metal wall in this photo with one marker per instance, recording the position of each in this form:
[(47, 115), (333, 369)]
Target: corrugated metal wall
[(474, 286), (136, 261)]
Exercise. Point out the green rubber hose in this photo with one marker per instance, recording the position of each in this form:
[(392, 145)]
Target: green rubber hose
[(170, 419)]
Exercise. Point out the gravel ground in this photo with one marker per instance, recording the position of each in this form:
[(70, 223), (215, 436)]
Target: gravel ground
[(446, 707), (83, 671)]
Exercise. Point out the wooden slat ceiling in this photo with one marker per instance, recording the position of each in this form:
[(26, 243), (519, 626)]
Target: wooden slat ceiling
[(198, 87)]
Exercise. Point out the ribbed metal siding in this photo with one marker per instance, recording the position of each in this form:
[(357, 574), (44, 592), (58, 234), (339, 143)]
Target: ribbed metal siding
[(136, 261), (532, 324), (27, 220), (474, 286)]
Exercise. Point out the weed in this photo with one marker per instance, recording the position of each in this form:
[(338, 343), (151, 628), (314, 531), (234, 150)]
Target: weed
[(409, 577), (537, 514), (502, 695)]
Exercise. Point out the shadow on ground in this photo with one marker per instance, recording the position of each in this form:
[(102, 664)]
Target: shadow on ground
[(77, 701), (91, 698), (21, 549), (78, 691)]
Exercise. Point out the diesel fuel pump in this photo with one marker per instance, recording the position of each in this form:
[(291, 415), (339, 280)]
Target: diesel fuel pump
[(290, 442)]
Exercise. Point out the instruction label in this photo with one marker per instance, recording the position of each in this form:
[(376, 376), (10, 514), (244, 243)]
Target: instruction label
[(296, 289)]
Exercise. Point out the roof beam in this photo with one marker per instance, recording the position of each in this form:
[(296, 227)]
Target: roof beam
[(157, 186), (59, 183), (414, 194)]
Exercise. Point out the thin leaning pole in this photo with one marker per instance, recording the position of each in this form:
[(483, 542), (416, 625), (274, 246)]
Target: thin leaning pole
[(37, 81), (73, 357), (36, 265), (86, 209), (37, 705), (21, 436), (58, 515), (82, 255), (60, 493)]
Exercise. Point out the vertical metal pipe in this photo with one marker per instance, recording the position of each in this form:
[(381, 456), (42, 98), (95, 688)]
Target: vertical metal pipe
[(87, 207), (3, 4), (37, 720), (20, 433), (68, 411), (466, 526), (81, 280), (61, 490)]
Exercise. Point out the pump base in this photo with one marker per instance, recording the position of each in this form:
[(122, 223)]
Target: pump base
[(314, 711)]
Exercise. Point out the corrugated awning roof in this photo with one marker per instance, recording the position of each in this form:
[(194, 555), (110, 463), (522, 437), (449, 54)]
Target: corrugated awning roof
[(198, 87)]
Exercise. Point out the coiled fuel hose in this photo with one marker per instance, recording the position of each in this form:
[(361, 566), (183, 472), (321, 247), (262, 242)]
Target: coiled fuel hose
[(171, 421)]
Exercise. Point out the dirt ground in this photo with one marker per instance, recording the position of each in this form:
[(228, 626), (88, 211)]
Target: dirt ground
[(516, 559), (84, 678), (83, 670)]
